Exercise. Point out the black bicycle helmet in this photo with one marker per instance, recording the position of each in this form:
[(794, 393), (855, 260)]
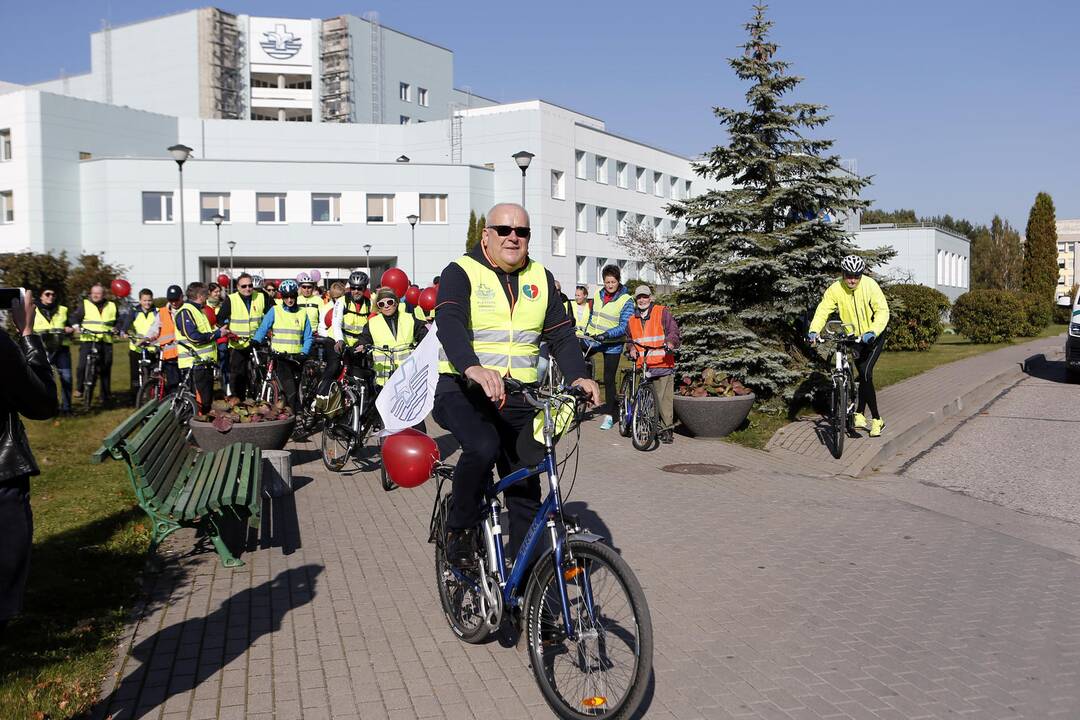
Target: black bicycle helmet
[(174, 293), (289, 288), (358, 280)]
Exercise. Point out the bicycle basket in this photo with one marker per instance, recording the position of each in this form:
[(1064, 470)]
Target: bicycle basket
[(330, 404)]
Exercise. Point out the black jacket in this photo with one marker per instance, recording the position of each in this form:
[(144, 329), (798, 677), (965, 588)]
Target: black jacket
[(27, 388)]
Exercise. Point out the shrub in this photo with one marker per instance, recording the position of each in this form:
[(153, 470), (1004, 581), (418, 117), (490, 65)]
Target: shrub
[(1063, 314), (988, 316), (1037, 314), (915, 316)]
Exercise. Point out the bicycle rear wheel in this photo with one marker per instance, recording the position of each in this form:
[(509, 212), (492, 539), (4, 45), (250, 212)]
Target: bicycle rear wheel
[(148, 392), (646, 419), (459, 590), (839, 416), (183, 406), (606, 670), (626, 403), (89, 381)]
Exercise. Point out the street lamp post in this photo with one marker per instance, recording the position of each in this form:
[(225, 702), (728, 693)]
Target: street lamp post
[(232, 271), (523, 158), (412, 223), (180, 154), (367, 252), (218, 219)]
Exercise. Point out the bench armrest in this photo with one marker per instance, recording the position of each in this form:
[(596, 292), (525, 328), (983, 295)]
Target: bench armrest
[(110, 446)]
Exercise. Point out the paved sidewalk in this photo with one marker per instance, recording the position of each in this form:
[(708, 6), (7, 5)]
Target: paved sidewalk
[(910, 408), (773, 595)]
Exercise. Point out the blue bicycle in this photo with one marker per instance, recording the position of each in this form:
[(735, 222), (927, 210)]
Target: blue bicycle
[(586, 620)]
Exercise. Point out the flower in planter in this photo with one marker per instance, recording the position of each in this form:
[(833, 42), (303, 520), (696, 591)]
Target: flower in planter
[(226, 413), (711, 384)]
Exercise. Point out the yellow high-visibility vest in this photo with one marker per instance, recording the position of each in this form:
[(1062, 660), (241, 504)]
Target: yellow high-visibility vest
[(288, 330), (57, 322), (242, 322), (582, 315), (605, 317), (505, 338), (202, 352), (353, 322), (310, 307), (140, 326), (381, 336), (97, 324)]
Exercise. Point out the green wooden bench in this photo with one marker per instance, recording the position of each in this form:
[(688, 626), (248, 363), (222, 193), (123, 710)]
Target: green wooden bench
[(180, 486)]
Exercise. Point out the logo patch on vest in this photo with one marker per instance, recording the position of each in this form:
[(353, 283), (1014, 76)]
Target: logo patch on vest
[(531, 291)]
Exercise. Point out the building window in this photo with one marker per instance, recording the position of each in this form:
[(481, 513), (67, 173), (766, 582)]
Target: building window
[(673, 188), (7, 207), (579, 164), (433, 208), (211, 204), (558, 185), (157, 207), (558, 241), (5, 145), (405, 120), (600, 263), (639, 179), (601, 169), (582, 270), (421, 97), (83, 155), (620, 174), (405, 92), (658, 228), (686, 192), (601, 221), (380, 208), (658, 184), (940, 267), (325, 208), (270, 208), (620, 218), (582, 218)]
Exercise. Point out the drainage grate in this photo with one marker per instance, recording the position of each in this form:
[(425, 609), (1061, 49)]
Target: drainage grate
[(697, 469)]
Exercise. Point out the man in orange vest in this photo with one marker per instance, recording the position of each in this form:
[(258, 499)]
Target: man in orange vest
[(652, 326), (170, 351)]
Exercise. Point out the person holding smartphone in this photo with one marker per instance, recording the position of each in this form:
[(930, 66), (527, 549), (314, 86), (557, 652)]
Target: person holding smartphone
[(28, 389)]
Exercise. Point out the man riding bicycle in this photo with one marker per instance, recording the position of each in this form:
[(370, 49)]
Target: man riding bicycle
[(291, 335), (495, 306), (861, 304), (95, 320)]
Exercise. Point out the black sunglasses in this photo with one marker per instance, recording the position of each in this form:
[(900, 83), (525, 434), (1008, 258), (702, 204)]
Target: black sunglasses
[(244, 286), (306, 286), (47, 292), (505, 230)]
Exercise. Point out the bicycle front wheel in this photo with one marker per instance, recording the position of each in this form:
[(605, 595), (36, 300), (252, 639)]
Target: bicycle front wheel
[(89, 382), (839, 416), (605, 670), (148, 392), (646, 419), (626, 403), (183, 407)]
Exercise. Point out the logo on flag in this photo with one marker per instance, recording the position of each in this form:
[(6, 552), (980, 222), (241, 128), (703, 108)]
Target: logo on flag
[(409, 394)]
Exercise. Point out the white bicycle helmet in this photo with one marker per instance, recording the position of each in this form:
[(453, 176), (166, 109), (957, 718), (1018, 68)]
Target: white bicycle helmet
[(304, 277), (256, 281), (853, 265)]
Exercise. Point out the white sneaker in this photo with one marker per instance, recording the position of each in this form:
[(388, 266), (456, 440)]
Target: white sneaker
[(608, 422)]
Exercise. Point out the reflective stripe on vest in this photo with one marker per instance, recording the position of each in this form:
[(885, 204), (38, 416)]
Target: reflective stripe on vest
[(581, 318), (288, 330), (650, 334), (241, 321), (605, 317), (204, 352), (167, 338), (353, 321), (505, 339), (140, 325), (97, 325), (384, 361), (310, 307), (57, 322)]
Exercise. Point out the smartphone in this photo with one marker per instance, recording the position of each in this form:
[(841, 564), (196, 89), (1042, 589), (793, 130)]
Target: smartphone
[(11, 297)]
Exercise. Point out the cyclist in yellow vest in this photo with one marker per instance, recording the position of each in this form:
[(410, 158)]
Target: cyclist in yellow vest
[(241, 312), (611, 310), (197, 343), (291, 335), (142, 325), (51, 322), (95, 319), (390, 327), (356, 308), (581, 310), (495, 306)]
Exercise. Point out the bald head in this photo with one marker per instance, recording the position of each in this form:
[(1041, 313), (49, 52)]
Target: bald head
[(508, 214), (97, 293), (509, 251)]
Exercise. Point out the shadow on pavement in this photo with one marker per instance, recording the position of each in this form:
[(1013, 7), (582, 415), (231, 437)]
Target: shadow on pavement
[(201, 646), (280, 525), (590, 521), (1051, 370)]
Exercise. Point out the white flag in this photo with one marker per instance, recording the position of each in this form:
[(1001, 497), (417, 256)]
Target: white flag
[(409, 394)]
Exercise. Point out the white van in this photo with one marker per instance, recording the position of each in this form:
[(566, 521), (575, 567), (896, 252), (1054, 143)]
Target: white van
[(1072, 340)]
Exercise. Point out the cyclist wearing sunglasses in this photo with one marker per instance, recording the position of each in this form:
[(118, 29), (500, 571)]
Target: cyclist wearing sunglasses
[(241, 312), (495, 307), (392, 326), (51, 322)]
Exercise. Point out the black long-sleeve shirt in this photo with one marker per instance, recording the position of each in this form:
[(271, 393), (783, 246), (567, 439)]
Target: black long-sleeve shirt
[(452, 319), (28, 389)]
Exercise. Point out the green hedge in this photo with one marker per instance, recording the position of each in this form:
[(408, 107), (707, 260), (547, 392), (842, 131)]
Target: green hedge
[(1063, 315), (989, 316), (915, 316), (1037, 314)]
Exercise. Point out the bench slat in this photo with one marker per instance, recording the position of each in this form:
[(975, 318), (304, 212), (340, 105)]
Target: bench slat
[(234, 496), (155, 470), (222, 479), (247, 482), (217, 470), (185, 477), (198, 479), (166, 439), (113, 439), (179, 472), (164, 415), (227, 492)]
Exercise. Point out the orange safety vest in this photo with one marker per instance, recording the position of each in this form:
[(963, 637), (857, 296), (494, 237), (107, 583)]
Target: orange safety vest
[(651, 334), (167, 339)]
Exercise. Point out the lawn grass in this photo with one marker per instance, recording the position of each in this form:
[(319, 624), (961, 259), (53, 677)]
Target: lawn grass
[(90, 543)]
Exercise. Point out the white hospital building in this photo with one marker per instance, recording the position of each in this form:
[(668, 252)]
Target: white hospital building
[(316, 140)]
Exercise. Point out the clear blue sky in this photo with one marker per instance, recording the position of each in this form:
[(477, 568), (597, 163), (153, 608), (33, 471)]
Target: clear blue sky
[(962, 106)]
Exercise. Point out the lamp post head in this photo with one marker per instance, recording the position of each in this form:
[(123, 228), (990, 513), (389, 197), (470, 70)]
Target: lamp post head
[(367, 249), (523, 158), (218, 219), (412, 219), (231, 244), (180, 153), (403, 158)]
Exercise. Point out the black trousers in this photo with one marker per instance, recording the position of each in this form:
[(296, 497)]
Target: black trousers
[(202, 378), (104, 367), (171, 368), (61, 361), (866, 356), (239, 380), (488, 440), (611, 393), (332, 369), (16, 535), (286, 371)]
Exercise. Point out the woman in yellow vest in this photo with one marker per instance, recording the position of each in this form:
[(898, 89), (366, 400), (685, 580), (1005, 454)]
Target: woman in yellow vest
[(390, 328), (198, 350), (290, 335), (611, 310), (95, 319), (142, 325), (51, 322), (495, 305)]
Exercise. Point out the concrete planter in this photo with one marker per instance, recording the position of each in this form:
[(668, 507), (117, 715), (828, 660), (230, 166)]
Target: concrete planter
[(269, 435), (712, 416)]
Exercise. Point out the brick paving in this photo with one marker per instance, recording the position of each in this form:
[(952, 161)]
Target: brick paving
[(773, 594), (905, 406)]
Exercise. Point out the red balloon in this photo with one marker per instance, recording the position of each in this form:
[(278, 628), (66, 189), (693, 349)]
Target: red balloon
[(120, 288), (396, 280), (409, 456), (428, 298), (412, 294), (224, 281)]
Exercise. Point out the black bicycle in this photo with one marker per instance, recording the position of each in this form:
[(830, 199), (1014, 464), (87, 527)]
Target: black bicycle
[(844, 388), (351, 417), (151, 380), (639, 407), (92, 365)]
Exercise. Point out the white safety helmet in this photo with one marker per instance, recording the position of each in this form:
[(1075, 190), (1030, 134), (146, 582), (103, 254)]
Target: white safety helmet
[(853, 265), (304, 277), (256, 281)]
